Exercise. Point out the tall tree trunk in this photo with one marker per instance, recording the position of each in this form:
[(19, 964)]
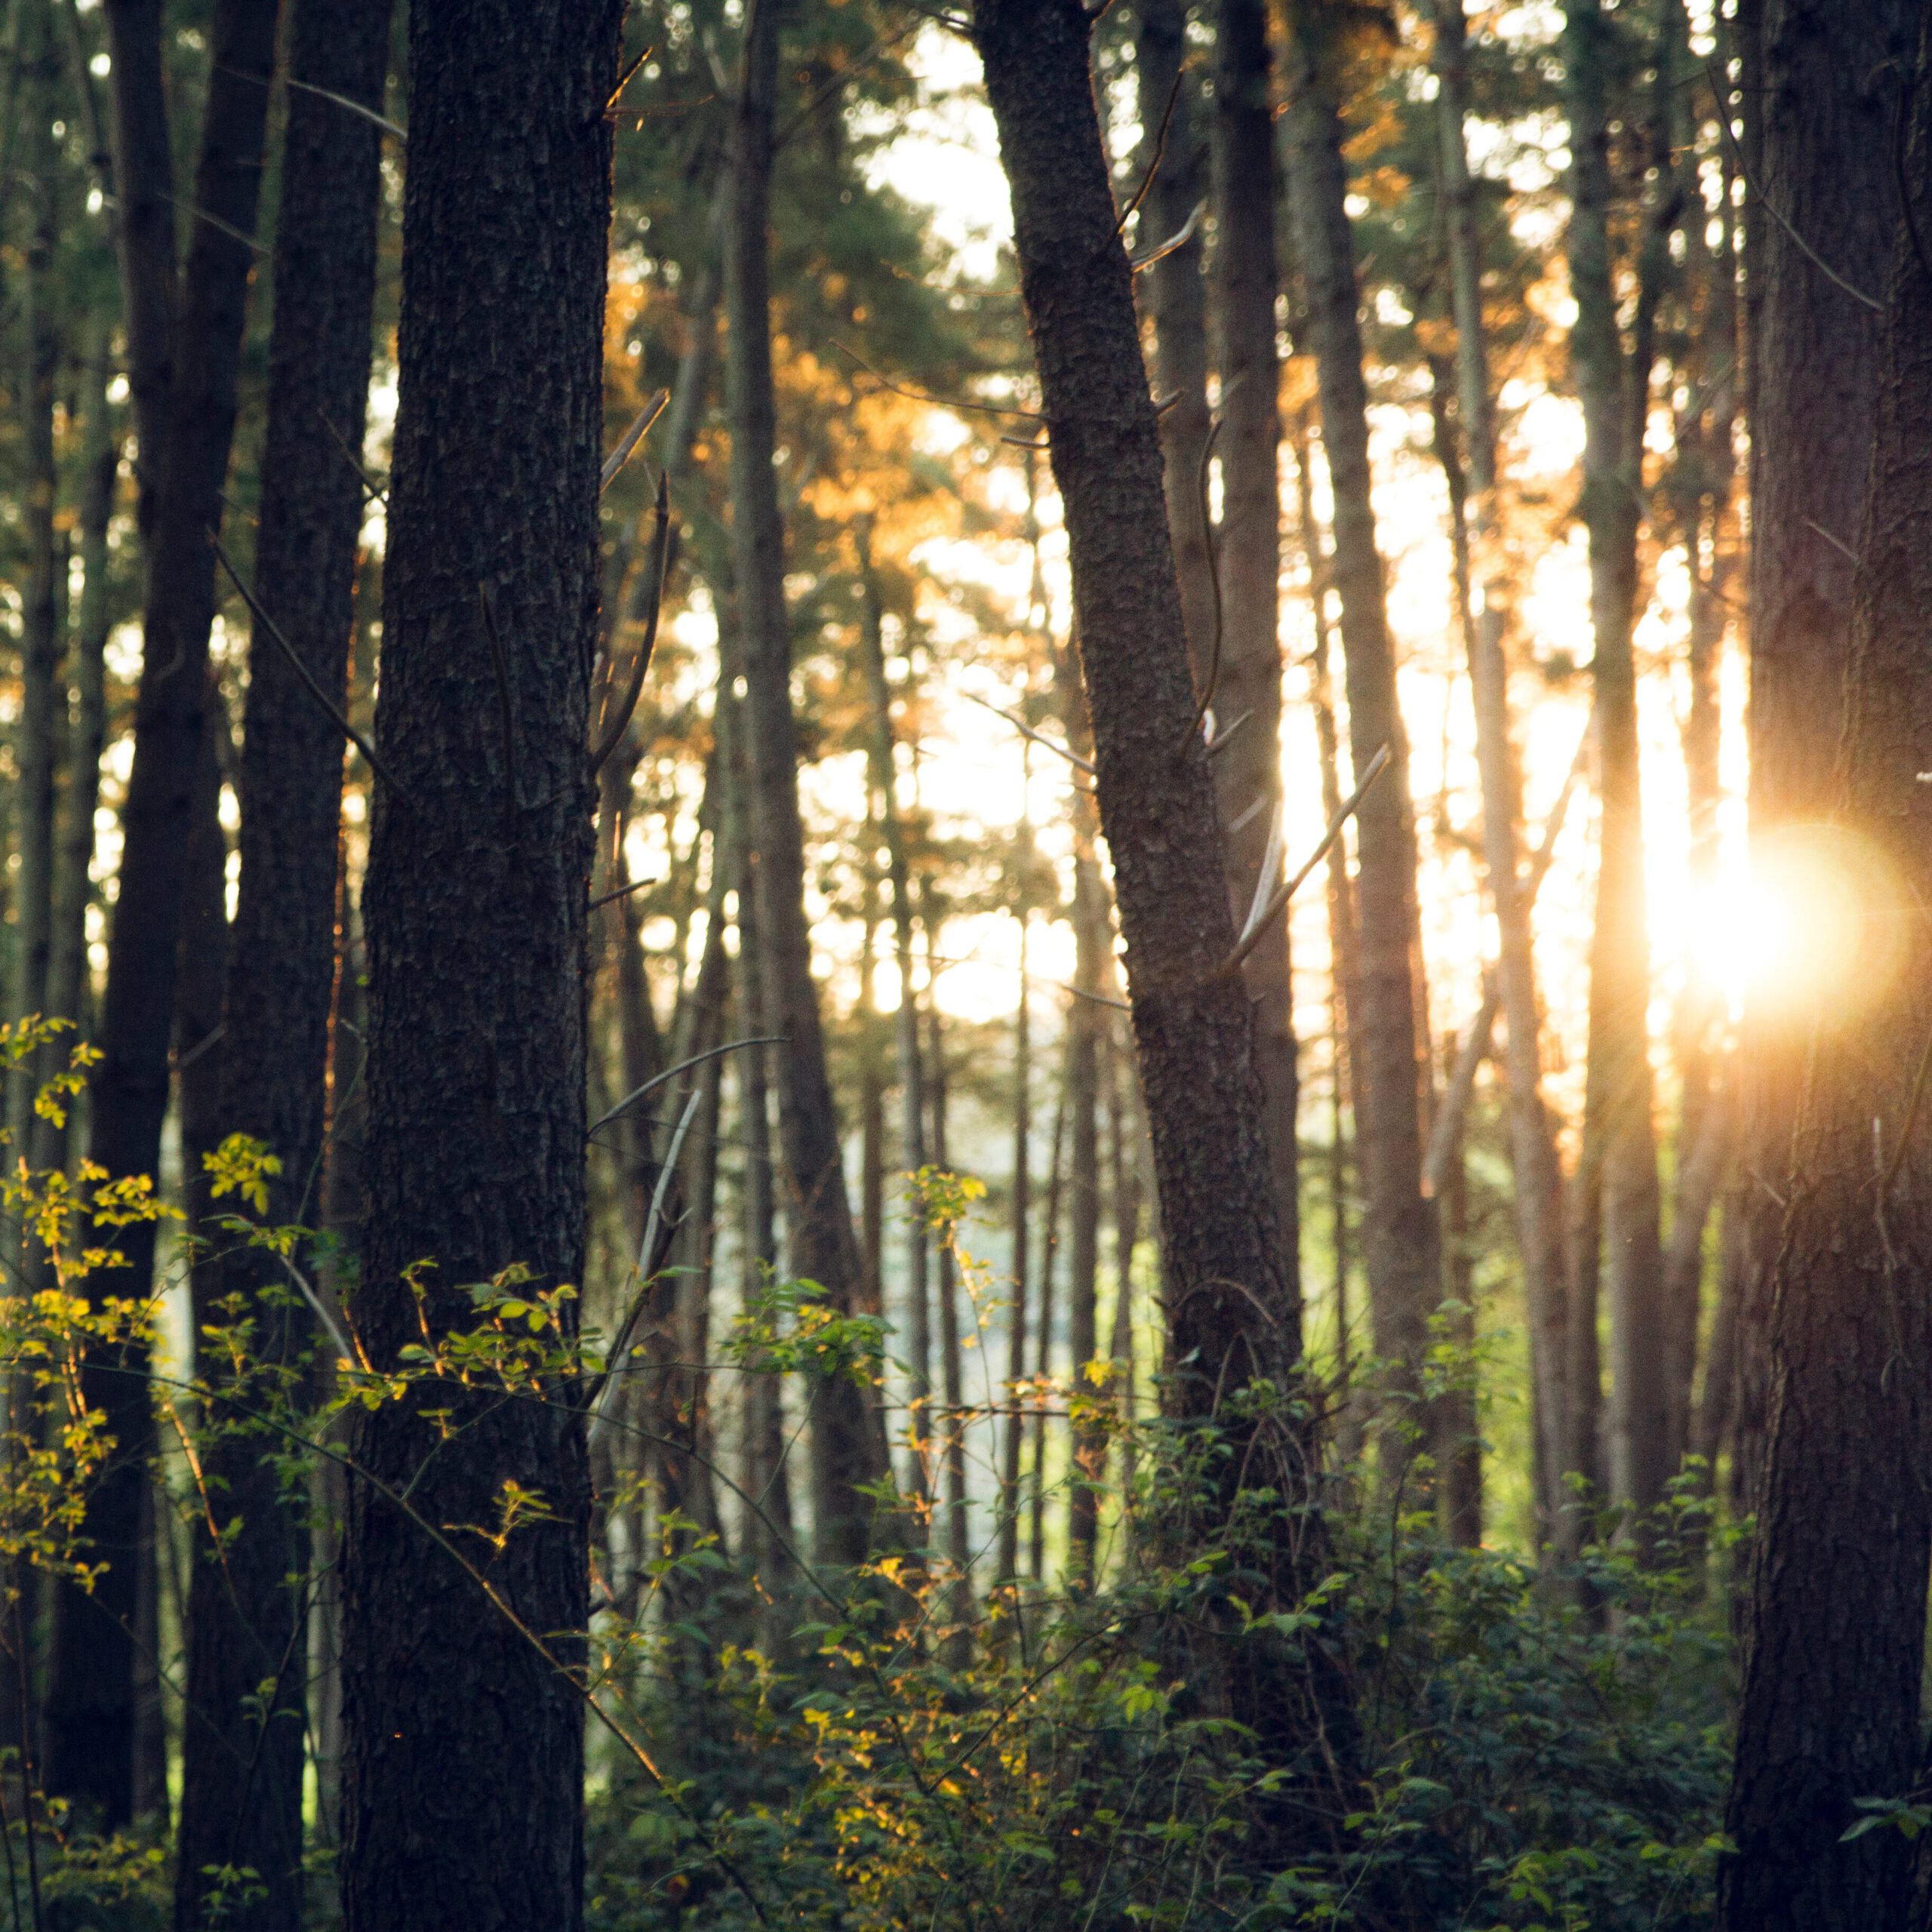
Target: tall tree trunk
[(1174, 165), (824, 1248), (1007, 1563), (1613, 390), (1821, 96), (242, 1764), (1083, 1186), (90, 1691), (462, 1779), (1537, 1174), (1036, 1499), (883, 759), (958, 1549), (1234, 1315), (1834, 1637), (1247, 682), (1401, 1241)]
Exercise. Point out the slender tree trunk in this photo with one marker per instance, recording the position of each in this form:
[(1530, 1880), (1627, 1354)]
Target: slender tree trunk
[(1834, 1637), (242, 1766), (90, 1691), (463, 1783), (1083, 1179), (883, 761), (1036, 1500), (958, 1542), (1124, 1148), (1247, 682), (1820, 99), (824, 1248), (1401, 1240), (1008, 1561), (1175, 168), (1537, 1174), (1613, 390), (68, 980), (1234, 1315)]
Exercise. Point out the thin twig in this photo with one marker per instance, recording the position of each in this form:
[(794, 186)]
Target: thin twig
[(606, 1385), (1140, 195), (1257, 922), (504, 711), (938, 402), (1219, 741), (660, 565), (1179, 238), (354, 106), (671, 1073), (625, 78), (376, 494), (631, 437), (1838, 544), (378, 763), (1066, 752), (620, 892)]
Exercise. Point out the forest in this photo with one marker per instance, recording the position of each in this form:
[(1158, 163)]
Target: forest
[(955, 965)]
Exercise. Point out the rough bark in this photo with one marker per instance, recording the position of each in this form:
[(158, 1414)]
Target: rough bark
[(1174, 295), (824, 1248), (242, 1770), (1823, 111), (1833, 1640), (1247, 682), (1233, 1317), (89, 1693), (1401, 1239), (462, 1779)]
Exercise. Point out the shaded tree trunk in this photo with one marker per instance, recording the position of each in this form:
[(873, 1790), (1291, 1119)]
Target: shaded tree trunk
[(1819, 97), (1834, 1636), (1006, 1562), (90, 1691), (819, 1219), (1175, 167), (462, 1779), (1247, 699), (242, 1766), (1233, 1315), (1401, 1241)]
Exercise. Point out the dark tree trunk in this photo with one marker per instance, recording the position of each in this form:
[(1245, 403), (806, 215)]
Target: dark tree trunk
[(1622, 1138), (1233, 1314), (1537, 1174), (953, 1433), (1175, 168), (462, 1712), (90, 1692), (1824, 107), (241, 1770), (1247, 696), (1083, 1187), (1834, 1637), (819, 1219), (1400, 1238)]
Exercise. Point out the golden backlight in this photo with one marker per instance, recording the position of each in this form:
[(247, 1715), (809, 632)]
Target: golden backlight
[(1813, 930)]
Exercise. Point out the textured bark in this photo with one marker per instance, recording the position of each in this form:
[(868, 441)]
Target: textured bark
[(462, 1779), (241, 1773), (1613, 389), (1537, 1174), (1232, 1316), (819, 1219), (90, 1706), (1175, 296), (1248, 681), (1833, 1641), (1401, 1240), (1824, 110)]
